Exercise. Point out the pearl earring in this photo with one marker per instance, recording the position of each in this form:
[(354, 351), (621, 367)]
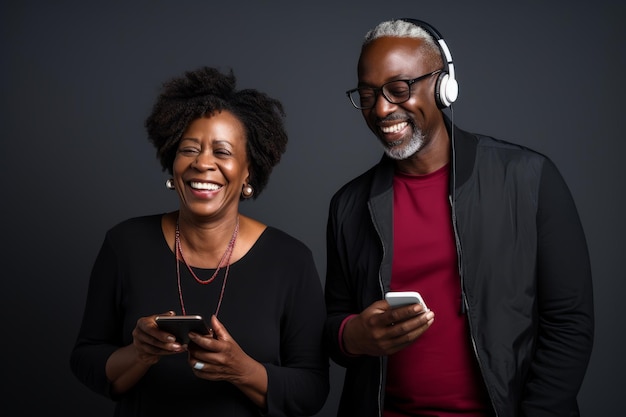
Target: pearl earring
[(247, 191), (169, 184)]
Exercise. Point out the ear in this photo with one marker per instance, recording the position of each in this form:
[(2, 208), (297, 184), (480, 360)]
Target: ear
[(247, 175)]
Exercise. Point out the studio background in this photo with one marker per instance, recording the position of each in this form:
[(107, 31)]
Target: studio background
[(79, 78)]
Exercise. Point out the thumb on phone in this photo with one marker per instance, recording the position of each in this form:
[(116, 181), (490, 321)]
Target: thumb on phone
[(219, 331)]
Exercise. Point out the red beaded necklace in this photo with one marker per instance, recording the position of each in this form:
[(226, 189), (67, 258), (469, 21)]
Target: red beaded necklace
[(225, 257)]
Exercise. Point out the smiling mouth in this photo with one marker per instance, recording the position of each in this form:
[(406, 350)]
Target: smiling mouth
[(394, 128), (206, 186)]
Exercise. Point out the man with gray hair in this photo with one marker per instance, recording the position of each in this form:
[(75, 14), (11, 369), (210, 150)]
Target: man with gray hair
[(485, 230)]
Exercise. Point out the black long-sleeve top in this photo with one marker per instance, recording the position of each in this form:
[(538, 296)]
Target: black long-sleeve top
[(272, 306)]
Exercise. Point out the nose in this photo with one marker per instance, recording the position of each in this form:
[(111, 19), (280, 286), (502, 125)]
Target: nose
[(382, 106), (204, 161)]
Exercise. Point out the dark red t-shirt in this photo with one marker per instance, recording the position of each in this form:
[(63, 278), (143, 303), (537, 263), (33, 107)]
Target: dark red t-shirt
[(438, 374)]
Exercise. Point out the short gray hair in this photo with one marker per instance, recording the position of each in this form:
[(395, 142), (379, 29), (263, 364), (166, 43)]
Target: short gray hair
[(399, 28)]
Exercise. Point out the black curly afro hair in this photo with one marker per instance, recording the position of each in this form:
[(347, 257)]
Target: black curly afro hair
[(207, 91)]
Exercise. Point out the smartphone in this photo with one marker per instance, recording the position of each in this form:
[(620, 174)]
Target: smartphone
[(404, 298), (180, 326)]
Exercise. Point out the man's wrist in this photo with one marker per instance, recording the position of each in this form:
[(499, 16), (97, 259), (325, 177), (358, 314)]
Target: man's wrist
[(342, 340)]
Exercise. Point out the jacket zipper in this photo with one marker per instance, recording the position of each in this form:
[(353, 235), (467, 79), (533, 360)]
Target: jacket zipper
[(464, 303), (382, 291), (457, 242)]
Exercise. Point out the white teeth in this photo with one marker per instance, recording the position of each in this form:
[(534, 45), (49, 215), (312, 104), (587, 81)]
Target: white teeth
[(204, 186), (394, 128)]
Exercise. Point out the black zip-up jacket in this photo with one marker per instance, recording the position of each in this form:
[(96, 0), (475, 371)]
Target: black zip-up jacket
[(524, 267)]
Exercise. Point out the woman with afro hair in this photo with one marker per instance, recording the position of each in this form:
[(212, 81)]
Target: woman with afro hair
[(256, 287)]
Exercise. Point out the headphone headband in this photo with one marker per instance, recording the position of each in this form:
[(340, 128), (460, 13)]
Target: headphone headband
[(447, 89)]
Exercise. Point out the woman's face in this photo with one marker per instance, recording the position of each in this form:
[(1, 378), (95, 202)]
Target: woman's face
[(211, 166)]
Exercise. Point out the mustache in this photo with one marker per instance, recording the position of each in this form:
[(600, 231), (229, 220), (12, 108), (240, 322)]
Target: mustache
[(395, 117)]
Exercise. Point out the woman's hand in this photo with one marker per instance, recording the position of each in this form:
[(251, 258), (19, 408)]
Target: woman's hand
[(218, 357), (127, 365), (151, 343)]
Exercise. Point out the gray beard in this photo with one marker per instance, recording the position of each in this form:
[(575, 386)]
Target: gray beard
[(404, 152)]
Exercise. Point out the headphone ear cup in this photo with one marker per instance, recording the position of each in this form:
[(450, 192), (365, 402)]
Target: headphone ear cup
[(446, 90)]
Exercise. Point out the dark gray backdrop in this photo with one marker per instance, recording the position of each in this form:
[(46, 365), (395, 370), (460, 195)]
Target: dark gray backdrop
[(78, 79)]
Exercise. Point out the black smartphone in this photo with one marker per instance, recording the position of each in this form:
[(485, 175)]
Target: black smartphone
[(180, 326)]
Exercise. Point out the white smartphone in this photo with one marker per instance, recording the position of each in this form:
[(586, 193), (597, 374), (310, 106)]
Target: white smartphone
[(180, 326), (404, 298)]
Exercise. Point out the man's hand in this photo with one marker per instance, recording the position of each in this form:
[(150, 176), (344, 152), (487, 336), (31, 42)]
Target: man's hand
[(380, 330)]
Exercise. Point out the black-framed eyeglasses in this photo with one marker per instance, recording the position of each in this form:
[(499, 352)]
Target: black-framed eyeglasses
[(395, 92)]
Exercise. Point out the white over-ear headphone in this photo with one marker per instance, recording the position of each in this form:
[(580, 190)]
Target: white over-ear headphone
[(446, 88)]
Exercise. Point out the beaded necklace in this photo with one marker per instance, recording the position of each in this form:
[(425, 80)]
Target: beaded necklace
[(225, 257)]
